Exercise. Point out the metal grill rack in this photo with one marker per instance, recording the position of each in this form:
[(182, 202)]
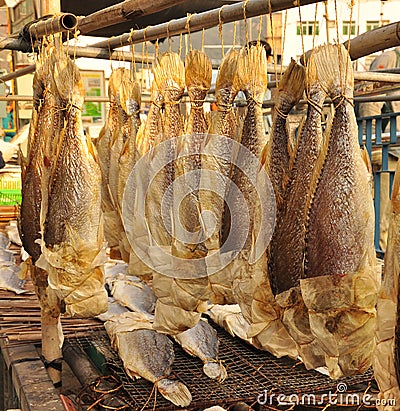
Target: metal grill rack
[(250, 373)]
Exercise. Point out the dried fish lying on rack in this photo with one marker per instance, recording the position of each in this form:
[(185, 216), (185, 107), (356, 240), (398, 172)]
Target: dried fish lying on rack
[(386, 362), (147, 354), (341, 277)]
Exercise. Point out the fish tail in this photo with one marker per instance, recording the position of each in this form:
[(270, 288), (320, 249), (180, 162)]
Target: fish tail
[(215, 370), (174, 391), (252, 71), (335, 72), (292, 82), (170, 70), (227, 74), (198, 70)]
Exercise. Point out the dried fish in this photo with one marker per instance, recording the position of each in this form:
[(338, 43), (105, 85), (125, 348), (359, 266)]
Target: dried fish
[(147, 354), (202, 341), (287, 247), (217, 163), (341, 279), (73, 251), (386, 356)]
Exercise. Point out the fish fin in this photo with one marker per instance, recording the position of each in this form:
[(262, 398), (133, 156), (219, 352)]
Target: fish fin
[(174, 391), (92, 149), (292, 82), (215, 370), (252, 71), (198, 70), (170, 72), (395, 190), (227, 74), (333, 69)]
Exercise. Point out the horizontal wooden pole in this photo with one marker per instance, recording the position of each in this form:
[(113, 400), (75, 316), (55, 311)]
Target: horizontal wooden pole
[(128, 10)]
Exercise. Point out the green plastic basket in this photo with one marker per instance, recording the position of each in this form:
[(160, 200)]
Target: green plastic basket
[(10, 197)]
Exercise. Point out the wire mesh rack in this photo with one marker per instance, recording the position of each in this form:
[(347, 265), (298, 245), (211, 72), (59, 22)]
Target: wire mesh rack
[(252, 374)]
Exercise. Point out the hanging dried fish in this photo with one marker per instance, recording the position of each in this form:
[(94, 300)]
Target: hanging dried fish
[(73, 252), (386, 357), (341, 280), (287, 247), (217, 164)]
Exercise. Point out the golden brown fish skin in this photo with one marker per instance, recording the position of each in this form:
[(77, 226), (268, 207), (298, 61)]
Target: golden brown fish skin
[(341, 223), (287, 246), (223, 123), (290, 91), (169, 78), (198, 72)]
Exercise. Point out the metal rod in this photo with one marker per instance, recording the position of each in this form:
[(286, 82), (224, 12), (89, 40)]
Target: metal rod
[(207, 19), (126, 11), (52, 25), (18, 73), (267, 103)]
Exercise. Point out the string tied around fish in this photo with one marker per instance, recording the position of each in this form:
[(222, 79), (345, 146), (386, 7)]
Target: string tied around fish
[(281, 113), (342, 98), (316, 106), (197, 104), (224, 107), (250, 99)]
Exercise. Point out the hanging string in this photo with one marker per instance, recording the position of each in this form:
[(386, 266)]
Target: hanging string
[(259, 28), (168, 36), (245, 21), (315, 26), (301, 33), (351, 23), (109, 53), (187, 27), (220, 25), (202, 40), (283, 42), (273, 38), (180, 45), (234, 34)]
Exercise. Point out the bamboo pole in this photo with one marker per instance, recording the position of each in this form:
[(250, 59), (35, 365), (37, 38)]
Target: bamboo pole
[(56, 24), (205, 20), (123, 12)]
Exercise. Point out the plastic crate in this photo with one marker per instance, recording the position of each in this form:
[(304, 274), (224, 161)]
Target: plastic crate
[(10, 197)]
